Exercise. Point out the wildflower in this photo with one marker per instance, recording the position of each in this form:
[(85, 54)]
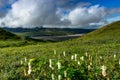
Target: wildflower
[(25, 59), (90, 63), (72, 57), (59, 77), (75, 57), (82, 58), (64, 53), (119, 61), (90, 57), (59, 65), (89, 67), (29, 68), (50, 63), (78, 62), (114, 55), (55, 52), (65, 73), (25, 72), (100, 57), (86, 54), (53, 77), (104, 70)]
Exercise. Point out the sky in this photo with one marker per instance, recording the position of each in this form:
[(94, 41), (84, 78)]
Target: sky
[(58, 13)]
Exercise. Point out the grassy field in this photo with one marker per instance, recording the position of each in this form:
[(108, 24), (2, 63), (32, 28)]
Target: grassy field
[(94, 56)]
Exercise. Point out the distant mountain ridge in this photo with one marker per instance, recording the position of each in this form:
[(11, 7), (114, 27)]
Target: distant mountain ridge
[(39, 31)]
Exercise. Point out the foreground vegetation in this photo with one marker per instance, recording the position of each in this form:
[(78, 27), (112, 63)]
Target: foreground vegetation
[(94, 56)]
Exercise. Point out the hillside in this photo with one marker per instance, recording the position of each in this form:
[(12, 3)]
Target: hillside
[(8, 39), (84, 58), (106, 34), (5, 35)]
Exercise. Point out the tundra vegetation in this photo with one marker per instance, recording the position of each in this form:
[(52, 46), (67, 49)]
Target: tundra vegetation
[(94, 56)]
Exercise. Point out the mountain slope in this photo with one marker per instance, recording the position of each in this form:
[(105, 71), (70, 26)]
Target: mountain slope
[(108, 33), (5, 35), (8, 39)]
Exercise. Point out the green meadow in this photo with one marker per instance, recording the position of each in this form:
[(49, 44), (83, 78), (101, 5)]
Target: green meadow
[(94, 56)]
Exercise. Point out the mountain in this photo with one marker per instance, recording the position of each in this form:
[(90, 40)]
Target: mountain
[(108, 33), (6, 35), (8, 39), (40, 31)]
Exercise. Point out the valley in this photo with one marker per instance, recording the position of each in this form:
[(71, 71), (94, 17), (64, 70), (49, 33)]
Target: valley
[(58, 38)]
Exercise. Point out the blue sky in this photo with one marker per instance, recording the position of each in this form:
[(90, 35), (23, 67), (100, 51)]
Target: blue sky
[(61, 13), (106, 3)]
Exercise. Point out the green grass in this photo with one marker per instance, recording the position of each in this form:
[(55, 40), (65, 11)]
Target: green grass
[(103, 43)]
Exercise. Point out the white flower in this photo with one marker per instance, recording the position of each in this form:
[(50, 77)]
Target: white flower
[(65, 73), (25, 59), (100, 57), (53, 77), (104, 70), (90, 63), (82, 58), (59, 77), (78, 62), (50, 63), (59, 65), (119, 61), (64, 54), (86, 54), (114, 55), (72, 57), (90, 57), (89, 67), (21, 62), (29, 68), (75, 57), (25, 72), (55, 52)]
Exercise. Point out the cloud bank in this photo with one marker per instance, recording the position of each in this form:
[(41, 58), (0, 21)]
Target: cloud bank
[(85, 16), (31, 13)]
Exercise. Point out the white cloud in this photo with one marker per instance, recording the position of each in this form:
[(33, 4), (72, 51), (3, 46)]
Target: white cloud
[(53, 13), (84, 16), (26, 13), (30, 12)]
